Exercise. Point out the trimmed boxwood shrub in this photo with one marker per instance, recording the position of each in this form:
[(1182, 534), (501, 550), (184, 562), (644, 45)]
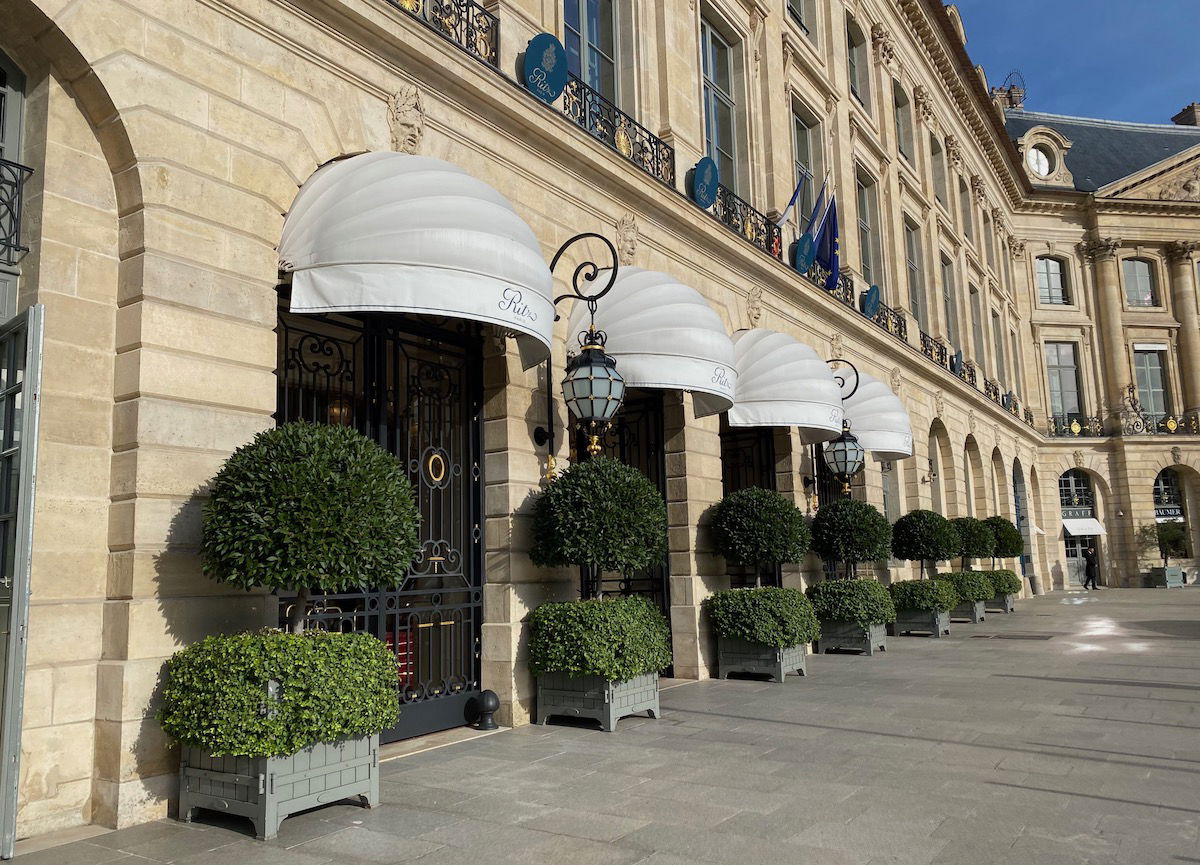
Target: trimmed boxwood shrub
[(864, 601), (970, 585), (754, 526), (273, 693), (1009, 542), (976, 539), (310, 507), (600, 513), (850, 532), (1004, 583), (934, 596), (774, 617), (923, 536), (613, 638)]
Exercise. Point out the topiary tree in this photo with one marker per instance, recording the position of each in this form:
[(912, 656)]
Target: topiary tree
[(602, 515), (933, 596), (1004, 583), (310, 507), (1010, 542), (976, 540), (971, 585), (760, 528), (1163, 539), (613, 638), (924, 536), (768, 615), (850, 532), (866, 602)]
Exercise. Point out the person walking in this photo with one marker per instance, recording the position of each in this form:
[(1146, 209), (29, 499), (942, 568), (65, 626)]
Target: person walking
[(1091, 568)]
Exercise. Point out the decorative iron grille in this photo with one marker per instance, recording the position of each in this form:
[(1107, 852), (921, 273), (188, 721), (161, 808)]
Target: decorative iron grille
[(1163, 424), (619, 131), (1029, 418), (739, 216), (843, 291), (748, 460), (893, 321), (464, 22), (991, 390), (12, 179), (969, 375), (415, 389), (935, 351), (1074, 425)]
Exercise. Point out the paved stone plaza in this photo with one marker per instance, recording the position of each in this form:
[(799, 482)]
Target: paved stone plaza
[(1065, 733)]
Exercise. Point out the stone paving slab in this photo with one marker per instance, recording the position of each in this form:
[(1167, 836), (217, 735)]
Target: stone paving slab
[(1078, 749)]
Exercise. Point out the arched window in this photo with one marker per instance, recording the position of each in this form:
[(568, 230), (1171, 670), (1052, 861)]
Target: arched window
[(1168, 496), (1075, 492), (1140, 286)]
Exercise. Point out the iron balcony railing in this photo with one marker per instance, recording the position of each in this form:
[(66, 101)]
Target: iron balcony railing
[(1074, 425), (991, 390), (893, 321), (1014, 405), (464, 22), (12, 179), (619, 131), (935, 351), (739, 216), (1029, 418), (1162, 424), (968, 374)]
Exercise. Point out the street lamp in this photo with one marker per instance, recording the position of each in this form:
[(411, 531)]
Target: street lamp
[(845, 456)]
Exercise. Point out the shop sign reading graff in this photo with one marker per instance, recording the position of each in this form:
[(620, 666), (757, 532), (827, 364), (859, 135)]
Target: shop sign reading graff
[(545, 67)]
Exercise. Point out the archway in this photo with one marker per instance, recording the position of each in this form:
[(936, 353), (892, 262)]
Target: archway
[(1001, 504), (942, 476), (973, 486), (1081, 497), (1021, 516)]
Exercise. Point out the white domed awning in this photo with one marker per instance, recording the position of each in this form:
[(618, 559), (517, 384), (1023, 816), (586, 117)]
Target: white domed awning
[(390, 232), (664, 336), (878, 420), (783, 382)]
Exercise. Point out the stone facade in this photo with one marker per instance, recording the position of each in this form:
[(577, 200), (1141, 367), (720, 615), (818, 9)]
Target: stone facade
[(169, 138)]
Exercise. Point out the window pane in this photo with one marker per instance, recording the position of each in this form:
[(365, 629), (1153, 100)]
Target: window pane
[(1139, 283), (601, 31)]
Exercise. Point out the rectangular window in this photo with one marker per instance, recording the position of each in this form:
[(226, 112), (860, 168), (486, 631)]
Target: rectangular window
[(858, 63), (977, 331), (1017, 372), (1140, 289), (939, 169), (950, 303), (998, 339), (12, 94), (1150, 371), (806, 146), (989, 241), (1051, 281), (868, 235), (591, 44), (1062, 378), (916, 282), (720, 109), (964, 204), (804, 13), (903, 114)]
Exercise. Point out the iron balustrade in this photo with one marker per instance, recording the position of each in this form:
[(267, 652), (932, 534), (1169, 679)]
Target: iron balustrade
[(1074, 425), (1014, 405), (464, 22), (935, 351), (968, 374), (619, 131), (1029, 418), (893, 321), (818, 275), (1162, 424), (12, 179), (991, 390), (737, 214)]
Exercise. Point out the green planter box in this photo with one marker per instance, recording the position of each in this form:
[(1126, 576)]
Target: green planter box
[(741, 656), (1165, 578), (851, 636), (972, 611), (593, 697), (1003, 603), (270, 789), (935, 624)]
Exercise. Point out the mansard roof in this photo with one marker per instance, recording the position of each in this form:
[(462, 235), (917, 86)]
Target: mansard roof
[(1107, 150)]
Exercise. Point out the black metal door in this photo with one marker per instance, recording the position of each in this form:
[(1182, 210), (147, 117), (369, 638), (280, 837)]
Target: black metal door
[(637, 438), (748, 460), (415, 388)]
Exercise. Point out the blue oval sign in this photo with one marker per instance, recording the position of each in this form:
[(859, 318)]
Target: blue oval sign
[(805, 254), (703, 182), (870, 302), (545, 69)]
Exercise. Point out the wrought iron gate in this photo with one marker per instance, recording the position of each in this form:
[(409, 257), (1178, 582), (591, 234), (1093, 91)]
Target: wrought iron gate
[(748, 460), (637, 438), (416, 389), (20, 389)]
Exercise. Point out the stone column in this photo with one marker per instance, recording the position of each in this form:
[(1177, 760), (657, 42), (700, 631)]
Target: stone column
[(1110, 304), (1182, 256)]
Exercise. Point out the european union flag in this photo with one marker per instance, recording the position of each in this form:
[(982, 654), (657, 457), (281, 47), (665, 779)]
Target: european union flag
[(827, 245)]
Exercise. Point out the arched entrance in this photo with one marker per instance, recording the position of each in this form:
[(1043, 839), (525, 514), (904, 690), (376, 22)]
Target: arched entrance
[(1081, 528), (942, 475), (1021, 517), (974, 480)]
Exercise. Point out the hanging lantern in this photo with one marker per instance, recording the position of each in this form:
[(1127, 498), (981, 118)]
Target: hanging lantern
[(845, 456), (593, 389)]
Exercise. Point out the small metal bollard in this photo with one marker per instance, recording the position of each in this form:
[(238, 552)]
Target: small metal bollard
[(489, 704)]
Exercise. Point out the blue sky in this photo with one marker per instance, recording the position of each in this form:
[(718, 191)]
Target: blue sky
[(1112, 59)]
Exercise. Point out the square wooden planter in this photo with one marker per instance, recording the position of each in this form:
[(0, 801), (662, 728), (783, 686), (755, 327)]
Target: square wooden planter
[(934, 623), (593, 697), (741, 656), (1003, 603), (852, 636), (1165, 578), (972, 611), (270, 789)]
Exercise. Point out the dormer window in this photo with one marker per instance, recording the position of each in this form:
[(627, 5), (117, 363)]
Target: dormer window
[(1040, 160)]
